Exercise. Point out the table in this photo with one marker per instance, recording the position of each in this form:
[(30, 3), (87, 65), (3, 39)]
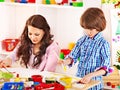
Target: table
[(113, 78), (29, 72)]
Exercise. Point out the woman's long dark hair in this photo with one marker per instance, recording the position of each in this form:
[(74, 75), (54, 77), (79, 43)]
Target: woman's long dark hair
[(25, 51)]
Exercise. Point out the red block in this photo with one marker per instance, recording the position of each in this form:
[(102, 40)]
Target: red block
[(65, 51), (37, 78), (112, 86), (108, 83)]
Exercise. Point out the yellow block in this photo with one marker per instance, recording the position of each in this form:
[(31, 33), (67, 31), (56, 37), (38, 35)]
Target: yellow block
[(67, 81), (71, 45), (17, 80), (43, 1), (52, 2)]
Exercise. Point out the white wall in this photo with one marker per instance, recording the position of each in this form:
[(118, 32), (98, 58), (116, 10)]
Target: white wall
[(12, 19), (64, 22)]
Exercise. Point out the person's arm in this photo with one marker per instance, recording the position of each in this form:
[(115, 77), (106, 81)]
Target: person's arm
[(6, 63), (88, 77), (104, 69), (52, 58)]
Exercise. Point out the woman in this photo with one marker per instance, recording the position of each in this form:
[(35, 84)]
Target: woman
[(36, 48)]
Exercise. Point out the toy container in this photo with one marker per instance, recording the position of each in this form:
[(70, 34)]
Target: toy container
[(9, 44), (13, 86)]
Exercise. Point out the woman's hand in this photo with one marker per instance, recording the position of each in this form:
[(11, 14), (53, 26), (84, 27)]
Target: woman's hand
[(5, 63)]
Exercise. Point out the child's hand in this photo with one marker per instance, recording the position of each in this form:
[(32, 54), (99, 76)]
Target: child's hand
[(86, 78), (60, 61), (65, 62)]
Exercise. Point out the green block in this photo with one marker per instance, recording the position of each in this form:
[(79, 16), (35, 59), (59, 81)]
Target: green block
[(78, 4), (7, 75), (47, 1), (1, 0), (62, 56)]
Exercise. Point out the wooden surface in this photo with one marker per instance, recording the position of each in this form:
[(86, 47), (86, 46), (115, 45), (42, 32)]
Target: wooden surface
[(86, 86), (114, 77)]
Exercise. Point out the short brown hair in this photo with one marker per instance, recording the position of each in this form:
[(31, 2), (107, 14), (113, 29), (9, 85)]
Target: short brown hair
[(93, 18)]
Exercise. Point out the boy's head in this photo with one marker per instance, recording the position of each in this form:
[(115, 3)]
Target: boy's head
[(93, 18)]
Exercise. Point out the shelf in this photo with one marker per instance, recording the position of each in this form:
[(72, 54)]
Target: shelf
[(59, 6), (17, 4), (41, 5)]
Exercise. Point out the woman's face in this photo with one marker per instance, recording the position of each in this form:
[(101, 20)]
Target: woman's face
[(35, 34)]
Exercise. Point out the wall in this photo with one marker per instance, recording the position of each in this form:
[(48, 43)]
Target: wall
[(12, 19), (64, 21)]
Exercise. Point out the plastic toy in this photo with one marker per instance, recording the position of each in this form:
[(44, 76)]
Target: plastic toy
[(65, 51), (6, 75), (52, 86), (9, 44), (66, 81), (50, 79), (62, 55), (13, 86), (37, 78), (108, 83), (112, 86)]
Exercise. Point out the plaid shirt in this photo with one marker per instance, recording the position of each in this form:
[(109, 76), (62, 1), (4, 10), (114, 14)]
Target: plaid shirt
[(93, 53)]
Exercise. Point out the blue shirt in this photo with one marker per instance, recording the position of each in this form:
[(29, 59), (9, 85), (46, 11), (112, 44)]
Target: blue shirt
[(93, 53)]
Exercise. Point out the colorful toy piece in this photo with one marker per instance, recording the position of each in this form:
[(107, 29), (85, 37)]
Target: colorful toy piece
[(62, 55), (108, 83), (6, 75), (65, 51), (71, 45), (50, 79), (17, 79), (13, 86), (66, 81), (37, 78), (113, 86), (52, 86)]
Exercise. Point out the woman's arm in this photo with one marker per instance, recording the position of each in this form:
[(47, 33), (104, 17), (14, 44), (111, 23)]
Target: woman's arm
[(52, 55), (9, 59)]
